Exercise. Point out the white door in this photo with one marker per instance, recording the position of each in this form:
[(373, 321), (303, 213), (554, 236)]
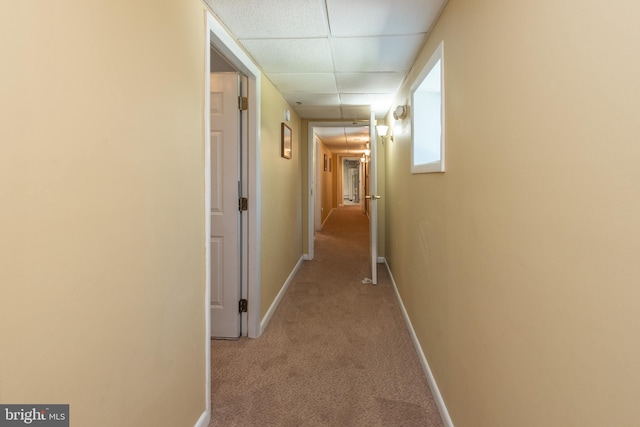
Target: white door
[(226, 187), (373, 199)]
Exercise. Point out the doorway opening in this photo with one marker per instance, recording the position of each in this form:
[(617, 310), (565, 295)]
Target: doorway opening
[(227, 53), (329, 144), (352, 182)]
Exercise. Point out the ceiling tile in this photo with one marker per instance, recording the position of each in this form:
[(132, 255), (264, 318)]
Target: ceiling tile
[(351, 139), (312, 99), (356, 112), (369, 82), (322, 83), (319, 112), (272, 19), (330, 133), (291, 55), (357, 18), (367, 50), (375, 54), (380, 103)]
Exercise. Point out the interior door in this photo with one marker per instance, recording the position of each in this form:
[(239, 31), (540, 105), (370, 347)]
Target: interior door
[(226, 186), (373, 199)]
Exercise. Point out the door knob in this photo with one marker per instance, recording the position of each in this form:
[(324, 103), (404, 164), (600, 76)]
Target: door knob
[(372, 197)]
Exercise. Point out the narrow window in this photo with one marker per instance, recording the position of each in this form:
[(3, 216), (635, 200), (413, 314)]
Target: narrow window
[(427, 99)]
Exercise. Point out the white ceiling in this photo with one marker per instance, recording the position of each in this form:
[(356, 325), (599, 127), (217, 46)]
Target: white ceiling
[(332, 59), (345, 140)]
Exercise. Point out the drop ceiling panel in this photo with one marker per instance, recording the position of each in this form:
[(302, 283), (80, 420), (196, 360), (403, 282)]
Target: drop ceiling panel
[(365, 99), (248, 19), (291, 55), (324, 52), (351, 139), (319, 112), (356, 18), (376, 54), (312, 99), (384, 83), (360, 112), (321, 83), (330, 133)]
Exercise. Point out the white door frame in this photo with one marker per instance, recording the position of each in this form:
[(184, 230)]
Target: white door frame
[(341, 159), (217, 35), (373, 201), (311, 176)]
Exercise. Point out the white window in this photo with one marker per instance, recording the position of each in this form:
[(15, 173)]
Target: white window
[(427, 100)]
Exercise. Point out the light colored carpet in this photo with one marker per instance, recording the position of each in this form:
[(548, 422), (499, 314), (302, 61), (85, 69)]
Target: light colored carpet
[(336, 352)]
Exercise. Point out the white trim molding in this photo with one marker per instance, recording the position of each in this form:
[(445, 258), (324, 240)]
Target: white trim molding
[(327, 218), (204, 419), (219, 37), (207, 224), (435, 391), (276, 301)]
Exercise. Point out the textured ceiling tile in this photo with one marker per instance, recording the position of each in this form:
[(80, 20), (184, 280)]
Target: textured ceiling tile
[(360, 112), (381, 16), (312, 99), (369, 82), (374, 54), (273, 18), (344, 139), (322, 83), (365, 98), (290, 41), (380, 103), (291, 55), (329, 133), (319, 112)]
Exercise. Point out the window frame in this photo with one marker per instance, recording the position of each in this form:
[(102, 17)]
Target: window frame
[(438, 165)]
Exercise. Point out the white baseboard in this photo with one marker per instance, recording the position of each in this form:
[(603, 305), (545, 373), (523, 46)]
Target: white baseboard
[(382, 260), (306, 257), (276, 302), (204, 419), (325, 220), (446, 419)]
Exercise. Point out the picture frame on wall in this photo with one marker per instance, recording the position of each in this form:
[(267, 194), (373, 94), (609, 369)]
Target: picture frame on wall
[(286, 142), (326, 163)]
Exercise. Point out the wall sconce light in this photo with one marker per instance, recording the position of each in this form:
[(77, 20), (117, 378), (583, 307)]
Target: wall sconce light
[(287, 115), (400, 112), (382, 131)]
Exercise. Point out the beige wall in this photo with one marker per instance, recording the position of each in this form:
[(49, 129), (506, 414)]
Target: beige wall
[(327, 182), (280, 187), (518, 266), (102, 219)]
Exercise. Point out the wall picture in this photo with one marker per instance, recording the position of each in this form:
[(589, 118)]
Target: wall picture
[(286, 142)]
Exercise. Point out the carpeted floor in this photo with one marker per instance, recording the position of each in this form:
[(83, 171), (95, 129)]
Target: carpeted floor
[(336, 352)]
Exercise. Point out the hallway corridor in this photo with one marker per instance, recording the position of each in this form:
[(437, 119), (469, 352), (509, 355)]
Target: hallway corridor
[(336, 352)]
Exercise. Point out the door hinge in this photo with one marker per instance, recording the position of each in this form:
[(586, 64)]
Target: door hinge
[(243, 306), (243, 103), (243, 204)]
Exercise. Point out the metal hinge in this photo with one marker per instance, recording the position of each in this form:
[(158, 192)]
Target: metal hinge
[(243, 204), (243, 103), (243, 306)]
